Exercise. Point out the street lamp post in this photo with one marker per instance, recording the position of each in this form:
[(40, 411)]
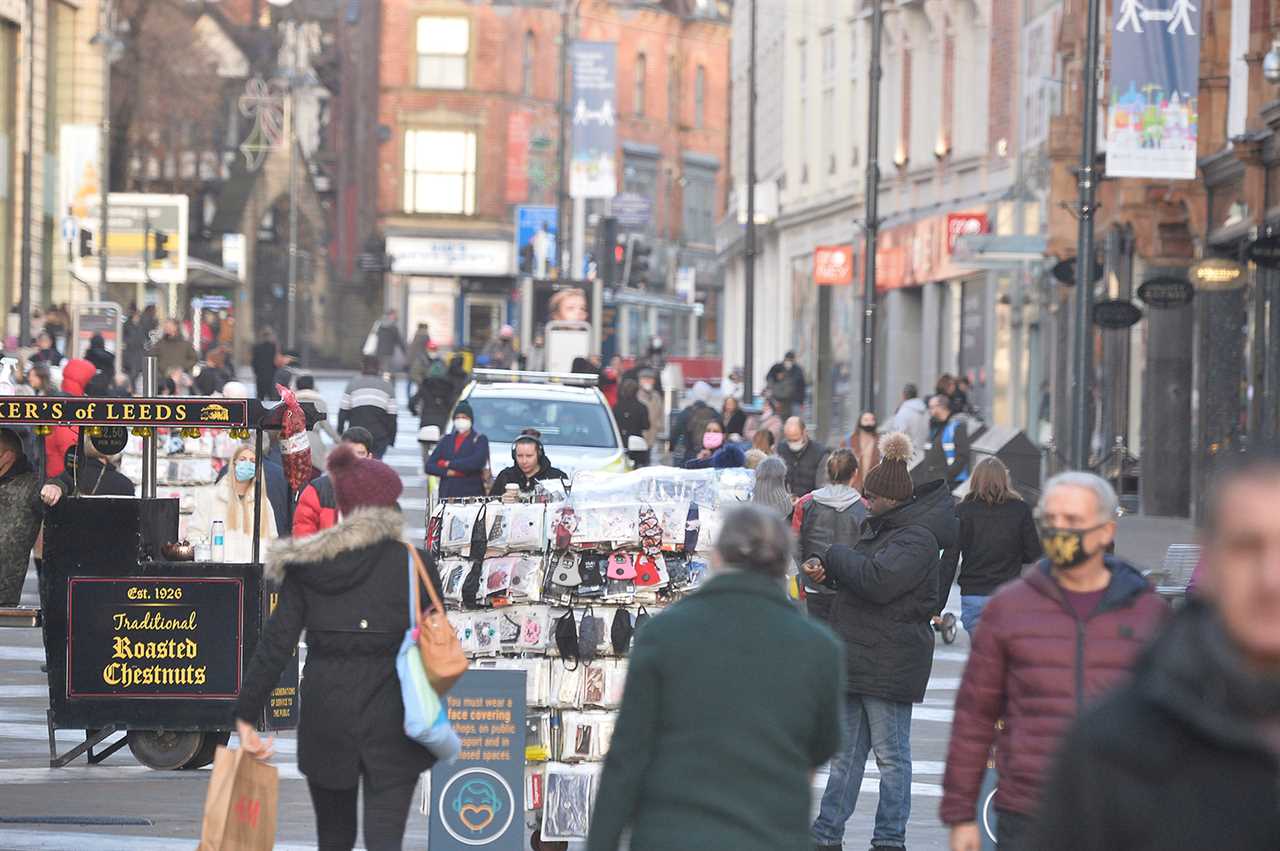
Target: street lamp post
[(24, 297), (1082, 360), (749, 253), (872, 224)]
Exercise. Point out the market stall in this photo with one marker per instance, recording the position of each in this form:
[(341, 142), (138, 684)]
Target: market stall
[(140, 638), (555, 587)]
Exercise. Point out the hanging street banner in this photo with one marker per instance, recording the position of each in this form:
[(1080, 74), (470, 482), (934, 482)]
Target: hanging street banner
[(593, 171), (536, 231), (1153, 104)]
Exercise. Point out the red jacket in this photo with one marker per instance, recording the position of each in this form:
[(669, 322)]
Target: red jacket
[(76, 374), (1035, 666), (317, 508)]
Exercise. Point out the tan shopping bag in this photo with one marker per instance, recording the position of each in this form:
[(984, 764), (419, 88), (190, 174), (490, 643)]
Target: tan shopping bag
[(240, 809)]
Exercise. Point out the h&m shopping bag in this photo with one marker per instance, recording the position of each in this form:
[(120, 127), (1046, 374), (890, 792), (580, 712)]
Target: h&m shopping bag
[(240, 809)]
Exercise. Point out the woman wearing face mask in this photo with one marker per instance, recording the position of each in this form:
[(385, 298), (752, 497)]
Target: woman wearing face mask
[(461, 457), (231, 501), (865, 443), (716, 452)]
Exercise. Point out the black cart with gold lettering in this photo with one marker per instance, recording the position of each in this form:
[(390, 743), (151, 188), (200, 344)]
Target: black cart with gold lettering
[(136, 644)]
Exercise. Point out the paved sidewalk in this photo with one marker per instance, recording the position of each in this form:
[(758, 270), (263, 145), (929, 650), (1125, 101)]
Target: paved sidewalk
[(1143, 540)]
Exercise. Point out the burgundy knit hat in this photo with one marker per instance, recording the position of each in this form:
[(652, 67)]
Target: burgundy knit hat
[(362, 482)]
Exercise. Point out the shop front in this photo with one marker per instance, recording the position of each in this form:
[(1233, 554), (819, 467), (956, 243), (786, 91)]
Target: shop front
[(462, 289), (935, 309)]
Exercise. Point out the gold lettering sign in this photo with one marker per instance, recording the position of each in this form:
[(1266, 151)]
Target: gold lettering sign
[(203, 413)]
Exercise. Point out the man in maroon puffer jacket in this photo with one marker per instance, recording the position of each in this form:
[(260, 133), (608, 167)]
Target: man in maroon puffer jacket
[(1051, 642)]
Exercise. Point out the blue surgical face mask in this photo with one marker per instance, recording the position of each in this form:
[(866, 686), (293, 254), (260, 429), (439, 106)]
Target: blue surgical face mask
[(244, 471)]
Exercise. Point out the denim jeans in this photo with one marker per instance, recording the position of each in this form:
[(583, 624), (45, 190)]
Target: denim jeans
[(971, 607), (884, 727)]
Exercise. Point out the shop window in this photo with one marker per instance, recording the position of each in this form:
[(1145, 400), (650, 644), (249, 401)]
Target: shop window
[(443, 48), (440, 172)]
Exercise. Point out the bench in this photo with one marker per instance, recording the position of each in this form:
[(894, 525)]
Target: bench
[(1172, 578), (24, 616)]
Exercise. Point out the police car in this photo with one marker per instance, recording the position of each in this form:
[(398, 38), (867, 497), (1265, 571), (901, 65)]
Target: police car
[(574, 418)]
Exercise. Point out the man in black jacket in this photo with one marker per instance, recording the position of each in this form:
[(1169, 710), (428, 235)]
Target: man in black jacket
[(531, 465), (94, 475), (946, 455), (886, 590), (803, 457), (1186, 755), (786, 386)]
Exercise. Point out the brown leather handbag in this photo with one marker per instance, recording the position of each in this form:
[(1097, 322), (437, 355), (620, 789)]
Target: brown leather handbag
[(438, 644)]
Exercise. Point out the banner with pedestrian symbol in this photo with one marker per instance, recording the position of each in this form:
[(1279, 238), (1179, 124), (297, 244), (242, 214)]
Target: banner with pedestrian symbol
[(1153, 101)]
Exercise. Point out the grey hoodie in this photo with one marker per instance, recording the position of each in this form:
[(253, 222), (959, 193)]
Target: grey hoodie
[(820, 529), (912, 418)]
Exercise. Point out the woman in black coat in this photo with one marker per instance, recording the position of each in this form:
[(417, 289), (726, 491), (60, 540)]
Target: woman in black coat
[(632, 416), (348, 587)]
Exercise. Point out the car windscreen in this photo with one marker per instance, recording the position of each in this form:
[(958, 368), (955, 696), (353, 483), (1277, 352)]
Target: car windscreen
[(561, 422)]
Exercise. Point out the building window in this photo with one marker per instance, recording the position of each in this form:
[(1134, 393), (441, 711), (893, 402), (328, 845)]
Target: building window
[(699, 205), (853, 50), (699, 97), (828, 129), (640, 176), (440, 172), (443, 46), (673, 91), (638, 95), (526, 85), (854, 124), (828, 40)]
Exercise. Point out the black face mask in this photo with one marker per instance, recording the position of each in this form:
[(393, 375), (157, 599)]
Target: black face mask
[(590, 634), (1065, 547), (567, 640), (620, 632), (870, 429)]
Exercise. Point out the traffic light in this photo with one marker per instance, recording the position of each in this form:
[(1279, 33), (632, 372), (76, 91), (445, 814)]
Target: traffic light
[(161, 245), (638, 263), (86, 242), (606, 252)]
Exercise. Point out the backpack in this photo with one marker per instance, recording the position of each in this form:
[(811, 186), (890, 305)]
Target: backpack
[(438, 369)]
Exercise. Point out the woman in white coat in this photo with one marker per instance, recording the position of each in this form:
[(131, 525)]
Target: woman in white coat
[(231, 501)]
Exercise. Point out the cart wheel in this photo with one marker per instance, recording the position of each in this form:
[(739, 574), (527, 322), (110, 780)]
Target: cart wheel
[(204, 756), (949, 628), (164, 750)]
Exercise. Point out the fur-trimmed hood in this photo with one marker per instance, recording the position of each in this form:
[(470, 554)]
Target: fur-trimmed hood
[(357, 531)]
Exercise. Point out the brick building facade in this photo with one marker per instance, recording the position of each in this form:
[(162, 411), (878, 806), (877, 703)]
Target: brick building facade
[(1191, 382), (468, 98)]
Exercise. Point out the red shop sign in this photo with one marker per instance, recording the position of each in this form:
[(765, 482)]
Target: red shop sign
[(833, 264), (964, 224)]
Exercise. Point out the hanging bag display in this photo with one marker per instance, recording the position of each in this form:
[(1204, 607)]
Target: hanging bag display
[(479, 543)]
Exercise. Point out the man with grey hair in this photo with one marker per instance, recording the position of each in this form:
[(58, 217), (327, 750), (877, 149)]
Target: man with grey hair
[(1184, 754), (1051, 642)]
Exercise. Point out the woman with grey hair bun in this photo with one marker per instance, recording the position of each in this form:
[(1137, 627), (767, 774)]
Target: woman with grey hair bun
[(771, 486), (731, 664)]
